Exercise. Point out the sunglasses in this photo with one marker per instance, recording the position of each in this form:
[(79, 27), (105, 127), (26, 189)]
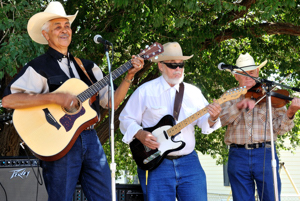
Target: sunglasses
[(174, 65)]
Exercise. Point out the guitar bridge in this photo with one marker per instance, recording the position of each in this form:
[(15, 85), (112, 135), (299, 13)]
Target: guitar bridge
[(150, 158), (50, 119)]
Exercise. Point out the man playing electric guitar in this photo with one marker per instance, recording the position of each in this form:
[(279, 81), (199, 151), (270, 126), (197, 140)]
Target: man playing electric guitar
[(180, 174), (86, 159)]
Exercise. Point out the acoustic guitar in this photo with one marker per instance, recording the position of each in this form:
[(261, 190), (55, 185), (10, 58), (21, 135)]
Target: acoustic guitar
[(50, 130)]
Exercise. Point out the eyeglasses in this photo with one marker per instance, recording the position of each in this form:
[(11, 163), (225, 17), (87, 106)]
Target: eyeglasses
[(174, 65)]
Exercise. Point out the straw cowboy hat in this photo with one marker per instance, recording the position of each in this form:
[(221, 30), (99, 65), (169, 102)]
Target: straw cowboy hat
[(246, 62), (54, 10), (172, 51)]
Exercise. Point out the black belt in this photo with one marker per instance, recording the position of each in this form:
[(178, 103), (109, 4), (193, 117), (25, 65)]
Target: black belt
[(173, 157), (252, 146)]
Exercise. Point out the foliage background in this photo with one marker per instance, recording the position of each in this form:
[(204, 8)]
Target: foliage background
[(213, 31)]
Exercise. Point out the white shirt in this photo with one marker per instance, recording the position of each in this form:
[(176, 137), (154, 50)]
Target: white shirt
[(155, 99)]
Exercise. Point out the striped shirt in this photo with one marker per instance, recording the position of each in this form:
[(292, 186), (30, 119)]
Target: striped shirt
[(249, 127)]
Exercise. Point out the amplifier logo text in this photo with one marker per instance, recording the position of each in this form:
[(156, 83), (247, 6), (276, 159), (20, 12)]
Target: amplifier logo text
[(22, 173)]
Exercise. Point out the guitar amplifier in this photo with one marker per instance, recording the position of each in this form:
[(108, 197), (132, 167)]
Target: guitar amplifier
[(78, 194), (124, 192), (129, 192), (18, 181)]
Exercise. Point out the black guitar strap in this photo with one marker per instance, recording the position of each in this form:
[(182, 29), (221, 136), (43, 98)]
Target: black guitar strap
[(178, 101)]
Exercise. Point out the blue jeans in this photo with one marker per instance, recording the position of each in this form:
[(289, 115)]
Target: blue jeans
[(182, 178), (245, 166), (85, 161)]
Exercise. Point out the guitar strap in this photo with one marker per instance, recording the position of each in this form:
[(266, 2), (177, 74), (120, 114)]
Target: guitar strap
[(178, 101), (82, 68)]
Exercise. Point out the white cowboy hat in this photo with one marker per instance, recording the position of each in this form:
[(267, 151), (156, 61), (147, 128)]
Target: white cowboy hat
[(54, 10), (172, 51), (246, 62)]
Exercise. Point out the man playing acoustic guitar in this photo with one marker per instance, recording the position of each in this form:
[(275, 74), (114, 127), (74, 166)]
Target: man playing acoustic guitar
[(86, 159), (180, 174)]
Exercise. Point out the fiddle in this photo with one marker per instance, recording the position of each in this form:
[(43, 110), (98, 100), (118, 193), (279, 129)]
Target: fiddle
[(279, 98)]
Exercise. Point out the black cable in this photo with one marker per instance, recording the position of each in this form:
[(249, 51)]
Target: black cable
[(252, 138), (37, 175), (265, 140), (4, 191)]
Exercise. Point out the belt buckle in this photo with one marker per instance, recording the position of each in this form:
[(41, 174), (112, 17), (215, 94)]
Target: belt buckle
[(247, 147), (267, 145)]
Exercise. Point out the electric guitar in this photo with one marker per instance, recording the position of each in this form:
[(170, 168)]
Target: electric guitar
[(166, 130), (50, 130)]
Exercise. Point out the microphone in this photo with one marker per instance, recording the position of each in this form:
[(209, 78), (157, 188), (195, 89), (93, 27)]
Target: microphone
[(223, 66), (98, 39)]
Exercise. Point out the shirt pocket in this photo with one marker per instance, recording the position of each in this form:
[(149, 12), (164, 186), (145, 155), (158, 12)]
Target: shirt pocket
[(261, 113), (186, 112), (157, 112), (55, 82)]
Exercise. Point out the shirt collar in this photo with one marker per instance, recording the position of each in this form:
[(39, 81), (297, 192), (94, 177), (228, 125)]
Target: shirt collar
[(166, 86), (56, 55)]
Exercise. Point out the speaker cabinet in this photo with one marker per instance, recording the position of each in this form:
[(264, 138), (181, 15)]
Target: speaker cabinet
[(18, 181), (124, 192), (129, 192)]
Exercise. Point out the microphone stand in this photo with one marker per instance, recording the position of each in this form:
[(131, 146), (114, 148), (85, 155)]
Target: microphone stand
[(273, 160), (113, 164), (268, 94)]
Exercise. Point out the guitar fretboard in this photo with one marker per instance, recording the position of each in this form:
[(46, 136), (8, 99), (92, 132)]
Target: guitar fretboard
[(230, 95), (96, 87), (178, 127)]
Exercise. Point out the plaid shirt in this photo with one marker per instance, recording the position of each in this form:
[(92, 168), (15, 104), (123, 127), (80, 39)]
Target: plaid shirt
[(249, 127)]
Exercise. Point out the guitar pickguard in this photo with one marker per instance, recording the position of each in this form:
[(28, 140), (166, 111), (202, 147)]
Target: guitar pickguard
[(68, 120)]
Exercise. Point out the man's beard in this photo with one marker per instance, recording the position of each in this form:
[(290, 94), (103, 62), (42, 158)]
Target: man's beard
[(174, 80)]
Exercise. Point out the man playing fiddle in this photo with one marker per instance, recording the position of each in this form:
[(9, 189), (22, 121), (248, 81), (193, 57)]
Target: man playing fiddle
[(250, 156)]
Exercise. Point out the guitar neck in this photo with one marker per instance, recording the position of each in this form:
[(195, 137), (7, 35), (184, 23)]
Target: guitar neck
[(181, 125), (96, 87)]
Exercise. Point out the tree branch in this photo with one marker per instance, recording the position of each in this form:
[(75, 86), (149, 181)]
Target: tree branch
[(102, 128), (234, 15), (268, 28)]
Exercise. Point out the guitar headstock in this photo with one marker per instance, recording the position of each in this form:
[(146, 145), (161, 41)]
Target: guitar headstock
[(233, 94), (151, 51)]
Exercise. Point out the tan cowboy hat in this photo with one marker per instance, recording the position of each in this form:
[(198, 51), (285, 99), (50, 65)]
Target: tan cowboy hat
[(246, 62), (54, 10), (172, 51)]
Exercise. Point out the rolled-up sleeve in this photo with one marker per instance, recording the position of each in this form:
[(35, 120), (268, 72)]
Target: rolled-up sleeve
[(203, 121), (104, 93), (131, 117)]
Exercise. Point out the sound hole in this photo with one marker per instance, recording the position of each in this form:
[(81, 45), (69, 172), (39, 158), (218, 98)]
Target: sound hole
[(75, 109)]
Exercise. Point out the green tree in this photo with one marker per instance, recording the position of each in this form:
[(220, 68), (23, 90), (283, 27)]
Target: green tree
[(213, 31)]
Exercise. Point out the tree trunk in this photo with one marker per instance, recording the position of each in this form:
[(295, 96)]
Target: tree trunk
[(102, 128), (9, 141)]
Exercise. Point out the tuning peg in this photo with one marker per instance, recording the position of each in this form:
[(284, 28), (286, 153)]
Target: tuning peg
[(147, 46)]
